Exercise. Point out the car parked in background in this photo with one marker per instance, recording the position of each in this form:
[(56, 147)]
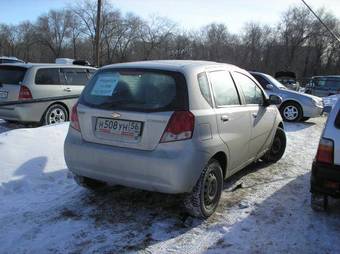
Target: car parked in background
[(288, 79), (172, 127), (323, 86), (6, 59), (295, 106), (325, 177), (40, 93)]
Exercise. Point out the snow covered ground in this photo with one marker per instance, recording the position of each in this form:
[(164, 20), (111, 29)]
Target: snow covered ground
[(264, 209)]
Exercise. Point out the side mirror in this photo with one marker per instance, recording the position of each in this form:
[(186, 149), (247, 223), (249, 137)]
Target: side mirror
[(269, 87), (274, 100)]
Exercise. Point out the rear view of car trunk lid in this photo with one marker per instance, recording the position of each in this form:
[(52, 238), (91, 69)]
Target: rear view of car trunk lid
[(11, 78), (130, 108), (124, 129)]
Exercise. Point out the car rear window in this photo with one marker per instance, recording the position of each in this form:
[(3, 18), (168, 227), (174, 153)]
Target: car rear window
[(13, 75), (142, 90)]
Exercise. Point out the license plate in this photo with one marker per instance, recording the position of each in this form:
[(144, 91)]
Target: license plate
[(3, 94), (123, 128)]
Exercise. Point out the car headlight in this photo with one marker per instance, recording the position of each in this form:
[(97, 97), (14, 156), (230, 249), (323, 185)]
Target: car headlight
[(318, 103)]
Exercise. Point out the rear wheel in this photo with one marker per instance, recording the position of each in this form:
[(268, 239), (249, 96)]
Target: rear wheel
[(319, 202), (203, 200), (56, 113), (278, 147), (88, 183), (291, 112)]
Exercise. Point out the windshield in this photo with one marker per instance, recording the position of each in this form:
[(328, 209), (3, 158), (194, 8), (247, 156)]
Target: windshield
[(274, 82), (331, 82), (136, 90), (12, 74)]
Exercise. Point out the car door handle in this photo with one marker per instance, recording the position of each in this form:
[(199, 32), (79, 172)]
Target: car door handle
[(224, 118), (254, 115), (67, 90)]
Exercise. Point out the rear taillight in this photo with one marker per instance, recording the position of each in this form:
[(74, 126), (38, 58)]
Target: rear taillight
[(74, 118), (180, 127), (25, 93), (325, 151)]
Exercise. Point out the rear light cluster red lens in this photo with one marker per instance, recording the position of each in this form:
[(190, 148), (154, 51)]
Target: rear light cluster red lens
[(325, 151), (25, 93), (74, 118), (180, 127)]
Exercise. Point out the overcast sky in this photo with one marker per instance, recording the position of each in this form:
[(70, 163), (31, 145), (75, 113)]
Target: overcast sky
[(189, 14)]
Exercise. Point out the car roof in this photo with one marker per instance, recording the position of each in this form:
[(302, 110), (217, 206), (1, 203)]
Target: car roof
[(327, 76), (171, 65), (29, 65), (10, 58)]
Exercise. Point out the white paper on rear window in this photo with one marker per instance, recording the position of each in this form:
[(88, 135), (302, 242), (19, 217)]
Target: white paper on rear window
[(105, 84)]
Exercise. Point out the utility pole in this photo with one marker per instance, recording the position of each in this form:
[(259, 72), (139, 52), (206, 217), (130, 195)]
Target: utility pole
[(97, 40)]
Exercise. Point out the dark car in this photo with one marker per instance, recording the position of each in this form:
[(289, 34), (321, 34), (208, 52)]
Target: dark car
[(323, 86)]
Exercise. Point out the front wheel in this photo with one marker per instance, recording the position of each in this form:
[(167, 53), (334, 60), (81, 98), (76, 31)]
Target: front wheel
[(204, 199), (278, 147), (291, 112)]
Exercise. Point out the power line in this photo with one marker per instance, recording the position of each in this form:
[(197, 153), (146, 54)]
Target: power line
[(328, 29)]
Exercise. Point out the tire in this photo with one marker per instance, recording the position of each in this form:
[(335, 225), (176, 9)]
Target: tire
[(318, 202), (56, 113), (88, 183), (291, 112), (205, 196), (11, 121), (278, 147), (304, 119)]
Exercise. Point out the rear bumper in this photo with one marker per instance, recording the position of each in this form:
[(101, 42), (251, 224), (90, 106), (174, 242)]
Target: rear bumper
[(325, 179), (314, 111), (170, 168)]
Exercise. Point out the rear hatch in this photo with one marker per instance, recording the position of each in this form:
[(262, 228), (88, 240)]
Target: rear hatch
[(130, 107), (11, 78)]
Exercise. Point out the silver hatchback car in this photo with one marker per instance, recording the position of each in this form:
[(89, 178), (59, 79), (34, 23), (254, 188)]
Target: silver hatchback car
[(172, 127)]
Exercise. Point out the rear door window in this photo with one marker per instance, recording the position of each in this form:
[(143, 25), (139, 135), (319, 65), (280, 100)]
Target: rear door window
[(204, 87), (136, 90), (47, 76), (74, 76), (225, 92), (12, 75), (252, 93), (337, 120)]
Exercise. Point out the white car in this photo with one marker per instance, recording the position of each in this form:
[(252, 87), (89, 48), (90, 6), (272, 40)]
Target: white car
[(325, 178)]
